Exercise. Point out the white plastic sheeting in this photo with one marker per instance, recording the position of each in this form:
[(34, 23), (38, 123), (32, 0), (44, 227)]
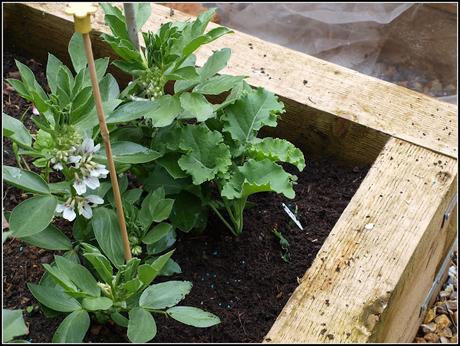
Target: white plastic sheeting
[(394, 41)]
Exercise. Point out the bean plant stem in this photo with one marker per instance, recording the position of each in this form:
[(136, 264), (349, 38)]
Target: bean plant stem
[(223, 219), (108, 148)]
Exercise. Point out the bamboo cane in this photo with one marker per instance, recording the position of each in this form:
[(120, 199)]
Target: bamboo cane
[(82, 18), (131, 23)]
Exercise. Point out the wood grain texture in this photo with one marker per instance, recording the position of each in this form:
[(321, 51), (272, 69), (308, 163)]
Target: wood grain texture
[(368, 284), (306, 81)]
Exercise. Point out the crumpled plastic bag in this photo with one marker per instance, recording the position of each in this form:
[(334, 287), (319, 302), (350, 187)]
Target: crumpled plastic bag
[(413, 45)]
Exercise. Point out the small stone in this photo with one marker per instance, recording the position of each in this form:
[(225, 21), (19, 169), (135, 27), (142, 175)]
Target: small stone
[(428, 328), (444, 340), (431, 337), (446, 332), (430, 315), (451, 305), (442, 322), (420, 340)]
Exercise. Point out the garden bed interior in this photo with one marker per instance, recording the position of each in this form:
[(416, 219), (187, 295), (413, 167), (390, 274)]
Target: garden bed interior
[(362, 284), (243, 280)]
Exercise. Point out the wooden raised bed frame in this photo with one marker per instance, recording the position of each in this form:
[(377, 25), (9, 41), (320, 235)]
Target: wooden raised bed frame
[(365, 285)]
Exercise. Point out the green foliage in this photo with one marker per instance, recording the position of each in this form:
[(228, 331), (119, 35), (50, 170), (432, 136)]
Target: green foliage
[(13, 325), (127, 297)]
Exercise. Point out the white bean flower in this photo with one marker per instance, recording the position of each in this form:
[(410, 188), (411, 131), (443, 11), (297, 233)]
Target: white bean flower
[(88, 147), (83, 204), (89, 173), (81, 183)]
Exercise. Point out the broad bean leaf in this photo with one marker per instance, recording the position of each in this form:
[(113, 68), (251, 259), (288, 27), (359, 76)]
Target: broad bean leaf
[(129, 152), (165, 294), (79, 275), (142, 13), (141, 326), (149, 271), (193, 316), (77, 52), (73, 328), (51, 238), (13, 324), (96, 303), (32, 216), (156, 233), (25, 180), (16, 130), (107, 232), (54, 298), (52, 68), (169, 162)]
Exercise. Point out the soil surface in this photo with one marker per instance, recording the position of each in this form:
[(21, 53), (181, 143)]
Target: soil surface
[(243, 280)]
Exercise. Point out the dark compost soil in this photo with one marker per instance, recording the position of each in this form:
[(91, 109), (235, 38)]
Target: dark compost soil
[(242, 279)]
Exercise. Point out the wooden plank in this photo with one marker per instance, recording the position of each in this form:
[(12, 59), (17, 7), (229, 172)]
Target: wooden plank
[(306, 81), (367, 284), (450, 7)]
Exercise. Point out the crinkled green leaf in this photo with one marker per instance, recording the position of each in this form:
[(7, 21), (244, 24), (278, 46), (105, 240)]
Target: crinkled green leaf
[(259, 176), (246, 116), (277, 149), (206, 154), (169, 162)]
